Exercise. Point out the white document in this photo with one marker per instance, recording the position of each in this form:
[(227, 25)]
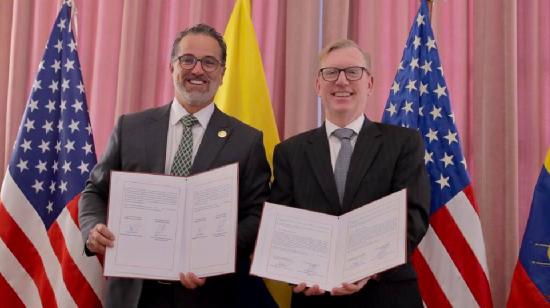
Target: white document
[(296, 245), (165, 225)]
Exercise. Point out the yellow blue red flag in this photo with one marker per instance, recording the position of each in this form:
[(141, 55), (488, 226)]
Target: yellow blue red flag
[(244, 93), (531, 280)]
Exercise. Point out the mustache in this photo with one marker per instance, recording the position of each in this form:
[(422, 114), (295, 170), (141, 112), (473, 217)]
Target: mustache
[(201, 77)]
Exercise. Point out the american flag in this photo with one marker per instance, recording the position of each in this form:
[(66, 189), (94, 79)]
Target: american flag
[(450, 260), (41, 251)]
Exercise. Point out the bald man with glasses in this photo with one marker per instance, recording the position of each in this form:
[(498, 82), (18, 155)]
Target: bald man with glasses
[(348, 162)]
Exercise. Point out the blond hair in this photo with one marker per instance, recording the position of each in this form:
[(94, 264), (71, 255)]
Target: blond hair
[(344, 43)]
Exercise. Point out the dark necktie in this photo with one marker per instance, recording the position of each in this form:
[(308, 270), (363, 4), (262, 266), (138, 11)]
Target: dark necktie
[(184, 155), (342, 161)]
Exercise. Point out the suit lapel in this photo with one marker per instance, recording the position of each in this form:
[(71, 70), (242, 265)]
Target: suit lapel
[(318, 153), (365, 150), (155, 134), (212, 141)]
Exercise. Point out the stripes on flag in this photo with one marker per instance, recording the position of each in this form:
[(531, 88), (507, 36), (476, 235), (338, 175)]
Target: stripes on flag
[(450, 260), (42, 263)]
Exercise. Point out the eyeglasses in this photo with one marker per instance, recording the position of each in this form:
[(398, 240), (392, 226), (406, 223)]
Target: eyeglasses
[(352, 73), (208, 63)]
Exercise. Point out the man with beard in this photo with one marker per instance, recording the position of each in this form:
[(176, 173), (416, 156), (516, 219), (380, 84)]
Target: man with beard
[(148, 142)]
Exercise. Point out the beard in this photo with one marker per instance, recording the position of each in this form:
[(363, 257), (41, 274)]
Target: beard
[(195, 97)]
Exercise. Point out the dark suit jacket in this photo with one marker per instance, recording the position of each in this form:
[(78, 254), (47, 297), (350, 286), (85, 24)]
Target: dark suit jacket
[(385, 159), (138, 143)]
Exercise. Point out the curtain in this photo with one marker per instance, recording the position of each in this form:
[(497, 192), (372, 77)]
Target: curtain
[(497, 76)]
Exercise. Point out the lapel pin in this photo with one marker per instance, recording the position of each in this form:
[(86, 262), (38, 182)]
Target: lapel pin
[(222, 134)]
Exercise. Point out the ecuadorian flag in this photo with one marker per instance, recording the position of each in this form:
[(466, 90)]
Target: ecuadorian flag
[(531, 281)]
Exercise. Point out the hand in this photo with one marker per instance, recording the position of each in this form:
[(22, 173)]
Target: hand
[(349, 288), (99, 238), (314, 290), (191, 281)]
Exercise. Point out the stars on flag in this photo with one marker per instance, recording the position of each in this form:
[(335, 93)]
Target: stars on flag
[(447, 159), (408, 107), (391, 109), (440, 91), (428, 157), (414, 63), (49, 207), (72, 45), (50, 106), (77, 106), (29, 124), (33, 105), (436, 112), (443, 181), (65, 85), (74, 126), (83, 167), (58, 46), (420, 20), (54, 86), (416, 42), (61, 24), (430, 44), (44, 146), (36, 85), (41, 166), (87, 149), (54, 154), (56, 66), (69, 65), (38, 186), (427, 66), (26, 145), (423, 89), (52, 188), (395, 87), (22, 165), (69, 146), (63, 186), (451, 137), (66, 166), (432, 118), (432, 135), (419, 99), (411, 85)]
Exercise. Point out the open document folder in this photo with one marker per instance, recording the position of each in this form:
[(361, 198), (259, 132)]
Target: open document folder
[(296, 245), (165, 225)]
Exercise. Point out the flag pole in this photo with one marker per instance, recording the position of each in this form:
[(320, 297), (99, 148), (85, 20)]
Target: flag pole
[(430, 4)]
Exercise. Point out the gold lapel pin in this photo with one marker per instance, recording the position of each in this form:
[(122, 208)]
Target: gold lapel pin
[(222, 134)]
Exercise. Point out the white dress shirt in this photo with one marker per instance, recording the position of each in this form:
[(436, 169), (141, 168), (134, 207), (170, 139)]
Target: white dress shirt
[(333, 141), (175, 130)]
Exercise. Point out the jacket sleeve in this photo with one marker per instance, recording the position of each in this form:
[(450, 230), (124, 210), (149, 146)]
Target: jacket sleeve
[(92, 206), (253, 191), (410, 173)]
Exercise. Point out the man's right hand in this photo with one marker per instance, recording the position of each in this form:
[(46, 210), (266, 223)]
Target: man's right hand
[(314, 290), (99, 239)]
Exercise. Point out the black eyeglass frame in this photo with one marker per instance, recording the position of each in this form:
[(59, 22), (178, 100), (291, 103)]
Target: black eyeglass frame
[(346, 71), (201, 60)]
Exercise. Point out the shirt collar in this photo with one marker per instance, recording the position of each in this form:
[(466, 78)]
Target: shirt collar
[(355, 125), (177, 112)]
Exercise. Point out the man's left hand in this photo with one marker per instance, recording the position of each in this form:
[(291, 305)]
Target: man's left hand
[(349, 288)]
